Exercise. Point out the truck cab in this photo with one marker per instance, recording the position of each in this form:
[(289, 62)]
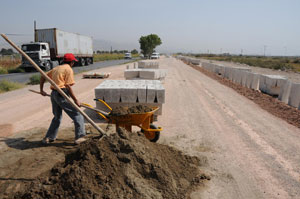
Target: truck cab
[(39, 52)]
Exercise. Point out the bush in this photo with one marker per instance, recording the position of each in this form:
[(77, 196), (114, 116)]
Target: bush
[(34, 79), (3, 70), (16, 70), (6, 86)]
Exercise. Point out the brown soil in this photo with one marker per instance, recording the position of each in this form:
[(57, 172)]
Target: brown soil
[(134, 109), (121, 165), (266, 102)]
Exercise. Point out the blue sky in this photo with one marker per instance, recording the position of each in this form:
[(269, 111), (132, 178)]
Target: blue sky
[(183, 25)]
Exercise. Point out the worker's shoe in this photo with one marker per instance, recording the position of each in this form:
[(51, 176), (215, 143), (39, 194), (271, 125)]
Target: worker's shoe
[(80, 140), (47, 140)]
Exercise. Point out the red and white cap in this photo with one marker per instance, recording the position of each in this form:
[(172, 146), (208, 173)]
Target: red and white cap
[(68, 57)]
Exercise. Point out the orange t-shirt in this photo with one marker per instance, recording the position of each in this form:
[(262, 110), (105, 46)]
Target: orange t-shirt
[(62, 75)]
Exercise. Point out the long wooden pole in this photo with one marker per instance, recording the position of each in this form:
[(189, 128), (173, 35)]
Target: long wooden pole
[(54, 85)]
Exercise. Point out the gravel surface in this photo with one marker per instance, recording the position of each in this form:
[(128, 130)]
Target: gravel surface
[(250, 152)]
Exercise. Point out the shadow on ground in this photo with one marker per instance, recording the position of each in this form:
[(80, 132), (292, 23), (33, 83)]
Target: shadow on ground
[(23, 144)]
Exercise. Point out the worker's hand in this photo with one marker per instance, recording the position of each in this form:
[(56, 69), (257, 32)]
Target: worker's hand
[(77, 103), (43, 93)]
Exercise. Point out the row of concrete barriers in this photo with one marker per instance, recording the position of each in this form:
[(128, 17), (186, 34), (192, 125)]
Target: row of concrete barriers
[(275, 85)]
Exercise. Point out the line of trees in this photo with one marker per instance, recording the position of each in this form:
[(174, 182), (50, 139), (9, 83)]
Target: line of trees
[(5, 51)]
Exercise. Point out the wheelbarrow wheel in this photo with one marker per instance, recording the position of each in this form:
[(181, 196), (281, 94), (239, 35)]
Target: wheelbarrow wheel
[(152, 136)]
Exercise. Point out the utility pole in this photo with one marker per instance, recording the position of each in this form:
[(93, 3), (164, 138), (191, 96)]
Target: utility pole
[(265, 48), (285, 49), (241, 51), (35, 35)]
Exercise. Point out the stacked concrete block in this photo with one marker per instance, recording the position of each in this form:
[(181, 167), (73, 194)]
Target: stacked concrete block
[(148, 64), (274, 83), (285, 91), (131, 73), (151, 74), (294, 97), (130, 92)]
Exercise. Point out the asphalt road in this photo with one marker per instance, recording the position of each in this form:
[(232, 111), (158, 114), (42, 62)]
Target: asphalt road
[(24, 77)]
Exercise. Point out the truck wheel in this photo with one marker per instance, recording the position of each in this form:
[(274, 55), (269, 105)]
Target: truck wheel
[(88, 61), (82, 62), (47, 66), (27, 70)]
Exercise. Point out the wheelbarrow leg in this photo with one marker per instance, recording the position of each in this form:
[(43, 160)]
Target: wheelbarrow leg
[(128, 127)]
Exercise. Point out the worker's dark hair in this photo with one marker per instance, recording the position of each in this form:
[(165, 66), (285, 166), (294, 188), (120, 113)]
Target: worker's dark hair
[(68, 62)]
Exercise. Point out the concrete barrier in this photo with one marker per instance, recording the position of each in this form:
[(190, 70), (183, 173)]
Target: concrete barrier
[(255, 81), (274, 83), (222, 70), (285, 91), (229, 73), (195, 61), (262, 83), (244, 75), (249, 79), (294, 97)]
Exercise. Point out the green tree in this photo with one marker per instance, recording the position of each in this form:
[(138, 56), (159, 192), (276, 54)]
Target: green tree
[(4, 51), (134, 51), (148, 44)]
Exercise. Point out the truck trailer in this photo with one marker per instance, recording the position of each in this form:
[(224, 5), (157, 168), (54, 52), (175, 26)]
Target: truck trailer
[(51, 44)]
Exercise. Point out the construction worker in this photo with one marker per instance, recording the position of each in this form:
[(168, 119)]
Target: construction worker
[(63, 76)]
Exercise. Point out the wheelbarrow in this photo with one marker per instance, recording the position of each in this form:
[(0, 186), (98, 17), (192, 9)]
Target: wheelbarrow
[(142, 120)]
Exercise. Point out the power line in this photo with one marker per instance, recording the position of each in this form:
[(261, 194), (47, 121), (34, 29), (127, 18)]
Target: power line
[(15, 34)]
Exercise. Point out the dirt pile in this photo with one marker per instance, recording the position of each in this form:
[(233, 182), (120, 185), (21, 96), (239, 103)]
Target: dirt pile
[(122, 165), (118, 111)]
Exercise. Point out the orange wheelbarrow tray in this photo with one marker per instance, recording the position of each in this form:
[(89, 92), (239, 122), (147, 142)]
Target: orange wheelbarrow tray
[(142, 120)]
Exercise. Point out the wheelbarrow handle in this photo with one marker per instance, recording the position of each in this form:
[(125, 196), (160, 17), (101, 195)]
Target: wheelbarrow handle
[(100, 100), (94, 109)]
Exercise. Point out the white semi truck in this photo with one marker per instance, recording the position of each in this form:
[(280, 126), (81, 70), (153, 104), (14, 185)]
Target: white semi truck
[(50, 46)]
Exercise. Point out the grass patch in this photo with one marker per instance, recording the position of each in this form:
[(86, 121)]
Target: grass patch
[(34, 79), (9, 65), (107, 56), (276, 63), (6, 86)]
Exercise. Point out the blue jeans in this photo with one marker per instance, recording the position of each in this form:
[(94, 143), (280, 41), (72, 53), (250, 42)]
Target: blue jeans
[(59, 103)]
